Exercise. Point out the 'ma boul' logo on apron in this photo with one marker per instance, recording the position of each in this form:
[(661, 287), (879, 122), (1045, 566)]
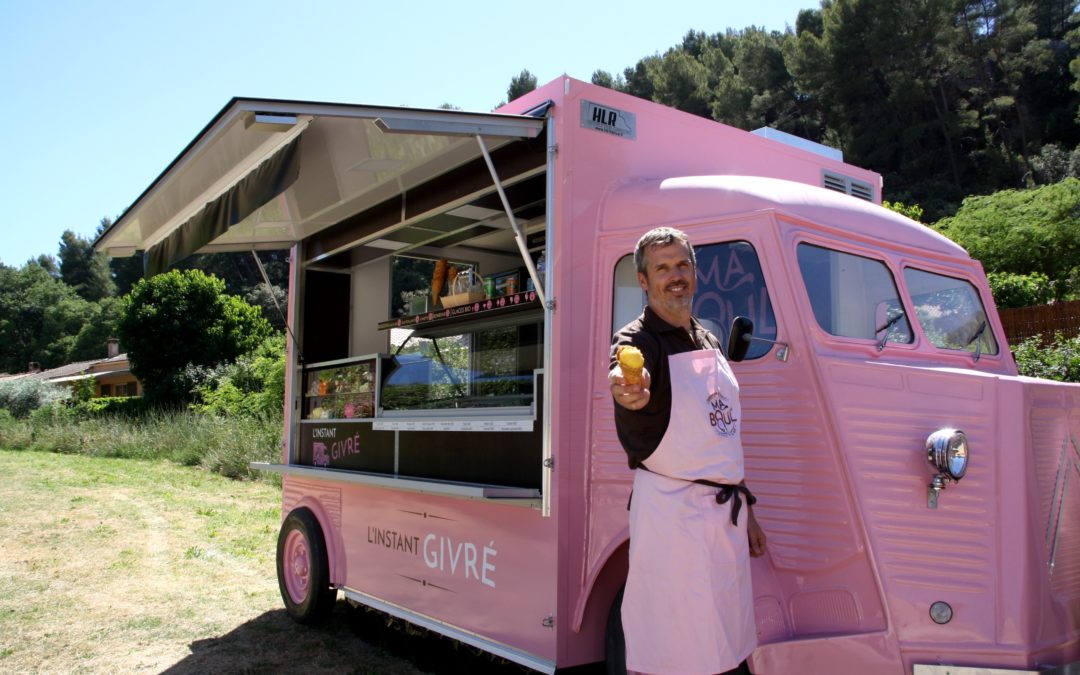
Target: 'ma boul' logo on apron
[(721, 415)]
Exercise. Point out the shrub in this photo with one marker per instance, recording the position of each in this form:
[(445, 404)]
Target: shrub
[(1059, 360), (128, 407), (1023, 231), (246, 440), (219, 444), (1020, 290), (252, 386), (26, 394), (914, 211)]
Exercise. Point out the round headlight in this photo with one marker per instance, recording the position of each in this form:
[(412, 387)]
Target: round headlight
[(947, 451)]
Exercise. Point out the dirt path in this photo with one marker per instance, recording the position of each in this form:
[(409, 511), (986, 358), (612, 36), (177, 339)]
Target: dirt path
[(121, 566)]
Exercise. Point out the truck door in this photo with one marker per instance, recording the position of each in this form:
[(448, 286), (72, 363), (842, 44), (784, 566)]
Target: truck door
[(816, 578)]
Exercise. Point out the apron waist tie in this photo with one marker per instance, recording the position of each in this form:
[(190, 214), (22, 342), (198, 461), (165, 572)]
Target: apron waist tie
[(727, 491)]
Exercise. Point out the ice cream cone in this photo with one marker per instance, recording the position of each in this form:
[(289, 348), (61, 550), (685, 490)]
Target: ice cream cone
[(632, 362)]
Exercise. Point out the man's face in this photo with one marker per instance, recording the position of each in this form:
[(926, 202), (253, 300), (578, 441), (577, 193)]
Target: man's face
[(669, 279)]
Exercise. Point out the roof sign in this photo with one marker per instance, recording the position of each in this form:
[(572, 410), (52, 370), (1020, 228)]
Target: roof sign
[(609, 120)]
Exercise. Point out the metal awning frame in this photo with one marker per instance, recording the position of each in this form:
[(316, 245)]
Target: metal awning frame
[(297, 117)]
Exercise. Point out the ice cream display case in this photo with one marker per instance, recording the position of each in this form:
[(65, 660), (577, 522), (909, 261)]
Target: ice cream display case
[(343, 389)]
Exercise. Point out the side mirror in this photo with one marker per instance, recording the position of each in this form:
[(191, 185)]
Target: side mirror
[(739, 338), (741, 335)]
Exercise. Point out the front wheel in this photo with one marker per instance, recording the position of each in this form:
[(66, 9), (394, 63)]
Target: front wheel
[(303, 569), (614, 639)]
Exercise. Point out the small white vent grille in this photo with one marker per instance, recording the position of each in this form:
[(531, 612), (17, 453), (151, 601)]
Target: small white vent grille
[(849, 186)]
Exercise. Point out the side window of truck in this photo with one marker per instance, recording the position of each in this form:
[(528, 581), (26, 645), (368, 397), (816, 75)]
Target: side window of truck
[(729, 284), (853, 296), (950, 312)]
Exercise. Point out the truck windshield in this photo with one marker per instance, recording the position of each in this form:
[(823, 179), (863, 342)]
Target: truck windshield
[(853, 296), (950, 312)]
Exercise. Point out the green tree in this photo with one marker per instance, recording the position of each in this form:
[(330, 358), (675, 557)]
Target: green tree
[(84, 269), (47, 263), (885, 71), (91, 342), (522, 84), (125, 272), (180, 319), (945, 98), (641, 79), (605, 79), (271, 301), (39, 318), (239, 271), (243, 278), (681, 81)]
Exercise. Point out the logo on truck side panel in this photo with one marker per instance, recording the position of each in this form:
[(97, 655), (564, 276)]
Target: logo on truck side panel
[(450, 555), (609, 120)]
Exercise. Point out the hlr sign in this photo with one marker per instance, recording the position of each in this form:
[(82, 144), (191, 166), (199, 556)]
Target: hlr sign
[(609, 120)]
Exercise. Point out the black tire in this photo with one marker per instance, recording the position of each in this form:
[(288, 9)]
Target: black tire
[(303, 569), (614, 640)]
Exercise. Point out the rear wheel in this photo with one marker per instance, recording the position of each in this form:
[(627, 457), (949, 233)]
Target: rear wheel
[(614, 640), (303, 569)]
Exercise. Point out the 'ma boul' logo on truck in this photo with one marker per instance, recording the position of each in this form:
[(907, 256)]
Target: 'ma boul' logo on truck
[(609, 120)]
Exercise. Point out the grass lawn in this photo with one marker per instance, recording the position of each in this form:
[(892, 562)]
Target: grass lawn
[(126, 565)]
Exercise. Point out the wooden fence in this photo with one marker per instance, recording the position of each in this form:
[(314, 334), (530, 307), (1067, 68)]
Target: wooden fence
[(1045, 320)]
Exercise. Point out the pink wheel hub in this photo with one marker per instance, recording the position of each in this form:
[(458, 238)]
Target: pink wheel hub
[(297, 567)]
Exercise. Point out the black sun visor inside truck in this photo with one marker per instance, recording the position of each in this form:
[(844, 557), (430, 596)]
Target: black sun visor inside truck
[(267, 173)]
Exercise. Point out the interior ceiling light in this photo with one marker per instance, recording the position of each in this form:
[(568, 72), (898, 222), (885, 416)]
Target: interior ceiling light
[(473, 212), (270, 122), (386, 244), (376, 164)]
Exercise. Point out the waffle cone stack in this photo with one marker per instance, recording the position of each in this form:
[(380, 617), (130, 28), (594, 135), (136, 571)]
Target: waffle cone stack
[(438, 278)]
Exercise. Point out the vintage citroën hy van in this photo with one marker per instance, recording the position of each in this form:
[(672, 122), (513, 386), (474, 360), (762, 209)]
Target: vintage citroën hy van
[(449, 450)]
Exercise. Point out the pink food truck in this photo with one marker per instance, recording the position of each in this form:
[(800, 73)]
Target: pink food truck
[(450, 456)]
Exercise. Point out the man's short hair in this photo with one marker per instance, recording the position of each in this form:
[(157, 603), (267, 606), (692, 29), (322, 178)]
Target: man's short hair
[(660, 236)]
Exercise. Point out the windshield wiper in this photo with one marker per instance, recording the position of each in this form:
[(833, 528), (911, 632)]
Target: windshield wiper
[(886, 326), (976, 336)]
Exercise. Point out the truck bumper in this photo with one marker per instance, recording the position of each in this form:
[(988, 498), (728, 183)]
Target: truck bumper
[(1068, 669)]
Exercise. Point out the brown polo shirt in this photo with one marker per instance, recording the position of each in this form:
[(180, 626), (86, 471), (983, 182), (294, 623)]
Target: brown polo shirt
[(640, 431)]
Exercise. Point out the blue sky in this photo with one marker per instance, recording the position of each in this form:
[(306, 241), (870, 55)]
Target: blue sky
[(100, 95)]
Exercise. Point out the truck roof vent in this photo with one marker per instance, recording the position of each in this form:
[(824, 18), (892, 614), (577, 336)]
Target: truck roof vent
[(847, 185)]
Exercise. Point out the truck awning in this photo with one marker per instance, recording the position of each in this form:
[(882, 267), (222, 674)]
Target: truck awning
[(264, 173)]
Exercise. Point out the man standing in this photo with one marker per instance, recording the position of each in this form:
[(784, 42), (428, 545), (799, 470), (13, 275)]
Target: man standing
[(688, 604)]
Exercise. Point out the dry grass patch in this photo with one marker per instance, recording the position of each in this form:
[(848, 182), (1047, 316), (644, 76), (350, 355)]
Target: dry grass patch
[(124, 566)]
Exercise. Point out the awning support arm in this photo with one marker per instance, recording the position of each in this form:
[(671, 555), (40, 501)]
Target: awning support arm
[(519, 235), (270, 290)]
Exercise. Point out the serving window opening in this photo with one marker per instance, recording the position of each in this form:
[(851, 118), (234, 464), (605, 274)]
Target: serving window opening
[(429, 337)]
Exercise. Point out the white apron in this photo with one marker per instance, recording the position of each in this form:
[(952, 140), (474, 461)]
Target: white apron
[(688, 607)]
